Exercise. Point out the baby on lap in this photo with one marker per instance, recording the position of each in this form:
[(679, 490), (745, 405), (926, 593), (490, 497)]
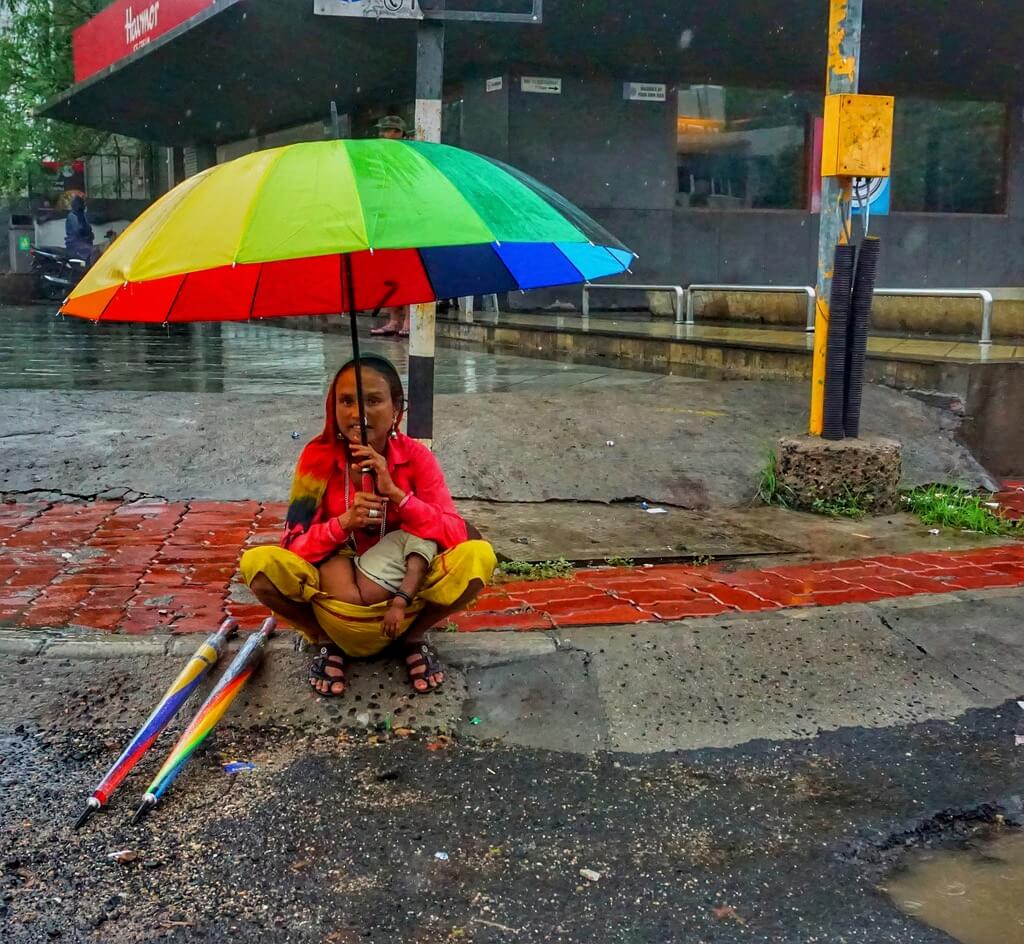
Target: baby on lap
[(393, 568)]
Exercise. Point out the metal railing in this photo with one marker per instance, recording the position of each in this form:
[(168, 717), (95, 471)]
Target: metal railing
[(984, 295), (676, 290), (466, 309), (981, 293), (808, 290)]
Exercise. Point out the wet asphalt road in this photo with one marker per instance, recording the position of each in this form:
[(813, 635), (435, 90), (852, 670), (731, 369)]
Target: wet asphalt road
[(334, 836)]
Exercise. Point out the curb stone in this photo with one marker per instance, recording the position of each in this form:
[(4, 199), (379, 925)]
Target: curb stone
[(462, 650), (480, 649)]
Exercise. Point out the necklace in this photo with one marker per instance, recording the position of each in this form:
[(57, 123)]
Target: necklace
[(348, 500)]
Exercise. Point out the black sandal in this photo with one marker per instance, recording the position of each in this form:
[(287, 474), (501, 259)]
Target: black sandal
[(330, 656), (421, 662)]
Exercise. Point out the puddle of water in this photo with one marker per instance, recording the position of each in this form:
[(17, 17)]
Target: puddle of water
[(40, 351), (975, 895)]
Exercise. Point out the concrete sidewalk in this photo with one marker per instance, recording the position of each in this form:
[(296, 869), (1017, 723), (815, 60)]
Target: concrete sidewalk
[(717, 681), (734, 779)]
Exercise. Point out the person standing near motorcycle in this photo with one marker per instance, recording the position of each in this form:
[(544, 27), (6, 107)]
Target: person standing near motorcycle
[(78, 234)]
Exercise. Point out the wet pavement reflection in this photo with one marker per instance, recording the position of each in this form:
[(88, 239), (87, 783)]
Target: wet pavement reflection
[(41, 351), (974, 895)]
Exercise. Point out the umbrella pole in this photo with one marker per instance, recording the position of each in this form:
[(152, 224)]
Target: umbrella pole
[(367, 484), (350, 290)]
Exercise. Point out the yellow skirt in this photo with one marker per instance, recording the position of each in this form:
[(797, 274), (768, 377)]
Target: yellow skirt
[(356, 629)]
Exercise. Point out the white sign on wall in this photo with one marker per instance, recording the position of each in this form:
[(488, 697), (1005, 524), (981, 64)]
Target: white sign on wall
[(541, 85), (495, 84), (644, 91), (374, 9)]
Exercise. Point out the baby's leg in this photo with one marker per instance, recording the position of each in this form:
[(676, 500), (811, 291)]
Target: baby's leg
[(415, 570), (370, 591), (338, 580)]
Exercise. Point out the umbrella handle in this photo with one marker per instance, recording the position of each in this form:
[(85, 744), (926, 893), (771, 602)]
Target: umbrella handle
[(388, 295)]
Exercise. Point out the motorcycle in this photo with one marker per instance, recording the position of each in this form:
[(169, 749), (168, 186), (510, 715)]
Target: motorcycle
[(56, 271)]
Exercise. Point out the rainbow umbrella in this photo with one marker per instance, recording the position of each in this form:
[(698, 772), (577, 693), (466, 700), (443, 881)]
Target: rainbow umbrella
[(210, 712), (181, 688), (341, 226)]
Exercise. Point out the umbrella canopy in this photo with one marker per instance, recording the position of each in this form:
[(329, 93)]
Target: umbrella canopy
[(332, 226)]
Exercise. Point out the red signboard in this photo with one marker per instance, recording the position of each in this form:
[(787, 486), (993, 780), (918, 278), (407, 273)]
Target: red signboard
[(123, 27)]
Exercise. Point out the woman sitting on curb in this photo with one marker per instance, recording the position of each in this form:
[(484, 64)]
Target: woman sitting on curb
[(307, 581)]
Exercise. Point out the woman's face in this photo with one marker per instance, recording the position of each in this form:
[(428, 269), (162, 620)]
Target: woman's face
[(381, 410)]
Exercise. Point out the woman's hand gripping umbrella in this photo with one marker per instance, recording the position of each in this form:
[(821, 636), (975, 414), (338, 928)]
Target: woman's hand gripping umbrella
[(231, 683), (181, 688)]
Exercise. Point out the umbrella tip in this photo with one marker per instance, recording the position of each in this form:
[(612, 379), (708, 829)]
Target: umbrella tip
[(92, 805), (148, 802)]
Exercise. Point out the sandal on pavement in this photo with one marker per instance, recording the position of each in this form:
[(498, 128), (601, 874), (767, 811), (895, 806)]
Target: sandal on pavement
[(403, 333), (422, 664), (328, 666), (384, 332)]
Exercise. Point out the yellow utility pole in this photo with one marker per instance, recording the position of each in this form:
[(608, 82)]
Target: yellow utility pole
[(842, 76)]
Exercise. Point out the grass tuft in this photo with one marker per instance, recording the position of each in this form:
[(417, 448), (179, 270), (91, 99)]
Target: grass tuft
[(850, 504), (769, 490), (949, 506), (620, 561), (542, 570)]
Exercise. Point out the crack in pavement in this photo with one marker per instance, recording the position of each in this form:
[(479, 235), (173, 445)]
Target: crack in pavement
[(920, 648)]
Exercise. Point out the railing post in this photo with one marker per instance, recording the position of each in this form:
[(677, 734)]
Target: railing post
[(986, 317)]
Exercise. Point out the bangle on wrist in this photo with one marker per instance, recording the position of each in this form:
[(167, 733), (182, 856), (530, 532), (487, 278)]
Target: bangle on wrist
[(404, 501), (402, 595)]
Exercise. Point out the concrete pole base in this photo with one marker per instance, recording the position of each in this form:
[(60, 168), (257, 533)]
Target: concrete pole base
[(811, 470)]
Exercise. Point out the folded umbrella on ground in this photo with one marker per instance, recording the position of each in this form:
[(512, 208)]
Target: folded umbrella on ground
[(181, 688), (210, 712)]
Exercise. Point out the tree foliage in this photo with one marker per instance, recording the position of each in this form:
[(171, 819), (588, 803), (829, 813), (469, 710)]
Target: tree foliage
[(35, 64)]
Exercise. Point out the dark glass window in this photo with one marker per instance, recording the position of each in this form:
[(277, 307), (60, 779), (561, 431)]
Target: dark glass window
[(949, 157), (743, 148)]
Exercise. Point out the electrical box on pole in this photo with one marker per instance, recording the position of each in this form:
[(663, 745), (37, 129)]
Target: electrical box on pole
[(857, 136)]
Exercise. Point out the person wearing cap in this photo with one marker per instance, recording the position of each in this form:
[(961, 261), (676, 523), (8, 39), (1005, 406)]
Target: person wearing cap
[(393, 127)]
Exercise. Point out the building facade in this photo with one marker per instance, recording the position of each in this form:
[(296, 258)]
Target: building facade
[(690, 130)]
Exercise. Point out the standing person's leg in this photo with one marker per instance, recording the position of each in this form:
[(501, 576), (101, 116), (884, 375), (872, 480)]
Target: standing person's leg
[(392, 325), (403, 332)]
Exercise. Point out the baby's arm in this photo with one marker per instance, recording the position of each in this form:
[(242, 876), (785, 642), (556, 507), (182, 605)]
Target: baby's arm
[(415, 570)]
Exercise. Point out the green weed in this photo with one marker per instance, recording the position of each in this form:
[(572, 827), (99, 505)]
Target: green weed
[(848, 505), (769, 490), (542, 570), (620, 562), (949, 506), (702, 560)]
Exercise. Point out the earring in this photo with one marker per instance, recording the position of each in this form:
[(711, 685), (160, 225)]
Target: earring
[(394, 432)]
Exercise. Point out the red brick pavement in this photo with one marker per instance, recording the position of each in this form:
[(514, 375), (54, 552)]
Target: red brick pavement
[(1011, 501), (171, 566)]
